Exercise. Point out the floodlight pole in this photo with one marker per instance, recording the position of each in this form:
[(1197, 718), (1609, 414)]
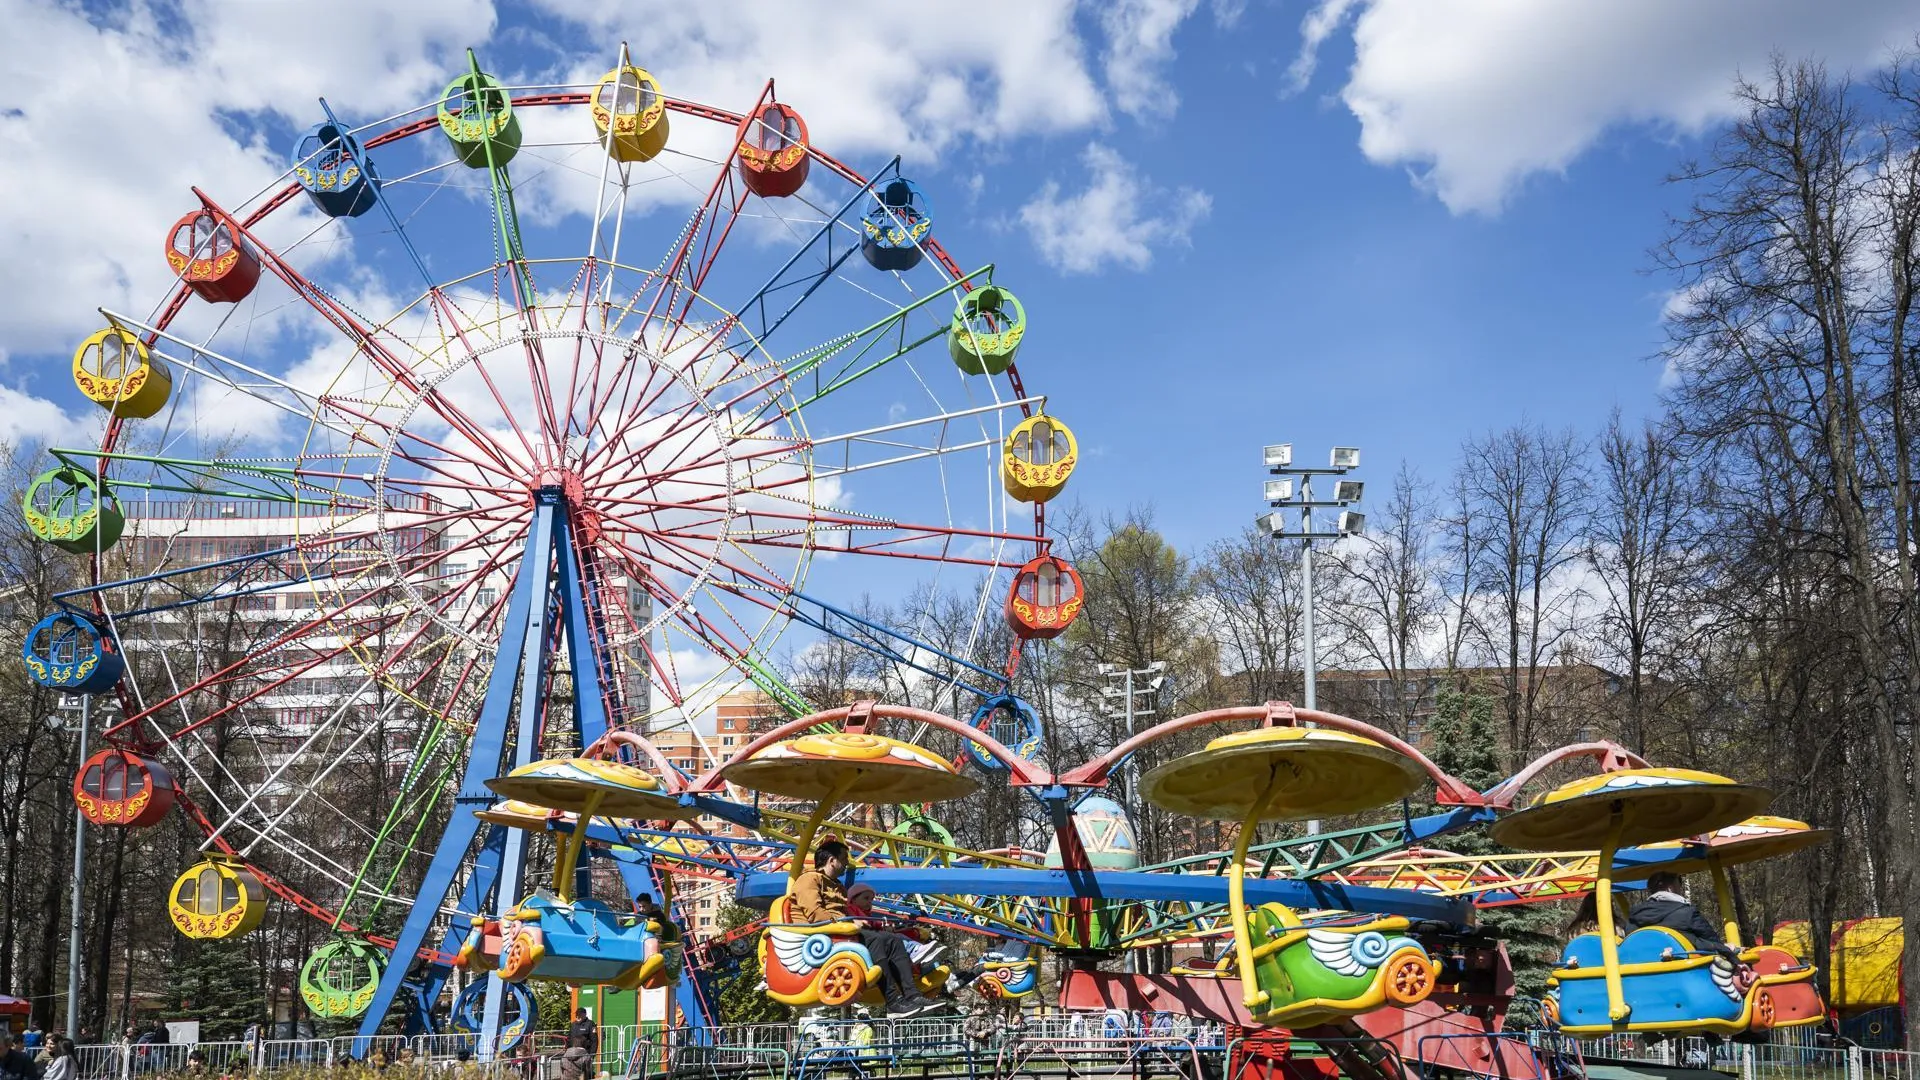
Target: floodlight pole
[(1309, 667), (1283, 466), (79, 887)]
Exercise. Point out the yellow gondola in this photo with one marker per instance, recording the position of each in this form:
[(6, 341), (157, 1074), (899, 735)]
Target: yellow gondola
[(218, 897), (1291, 975)]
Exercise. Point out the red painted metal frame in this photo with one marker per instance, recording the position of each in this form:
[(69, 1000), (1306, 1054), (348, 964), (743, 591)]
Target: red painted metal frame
[(1450, 792)]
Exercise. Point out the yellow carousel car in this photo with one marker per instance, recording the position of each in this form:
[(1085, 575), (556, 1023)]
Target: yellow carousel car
[(825, 963)]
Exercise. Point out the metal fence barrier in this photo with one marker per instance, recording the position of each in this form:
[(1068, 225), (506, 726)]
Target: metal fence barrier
[(980, 1045)]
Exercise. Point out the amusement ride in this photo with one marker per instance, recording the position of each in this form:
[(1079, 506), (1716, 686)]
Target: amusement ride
[(555, 502)]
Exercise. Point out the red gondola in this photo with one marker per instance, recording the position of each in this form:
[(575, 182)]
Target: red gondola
[(1045, 598), (116, 787), (203, 251), (773, 158)]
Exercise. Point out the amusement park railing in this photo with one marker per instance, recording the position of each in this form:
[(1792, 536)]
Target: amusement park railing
[(1080, 1045)]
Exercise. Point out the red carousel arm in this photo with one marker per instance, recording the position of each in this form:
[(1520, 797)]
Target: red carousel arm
[(603, 748), (1449, 792), (1612, 758), (858, 717)]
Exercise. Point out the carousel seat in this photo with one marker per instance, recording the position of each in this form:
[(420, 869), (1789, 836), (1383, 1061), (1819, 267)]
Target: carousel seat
[(579, 942), (1320, 974), (1670, 986), (814, 963)]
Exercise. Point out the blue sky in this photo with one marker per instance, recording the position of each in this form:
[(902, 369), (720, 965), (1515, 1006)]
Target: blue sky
[(1388, 223)]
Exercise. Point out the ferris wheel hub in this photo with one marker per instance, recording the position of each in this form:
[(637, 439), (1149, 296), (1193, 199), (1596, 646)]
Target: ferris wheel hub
[(561, 481)]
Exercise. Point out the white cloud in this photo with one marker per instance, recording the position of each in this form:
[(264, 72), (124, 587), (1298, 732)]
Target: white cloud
[(108, 125), (1139, 44), (110, 113), (25, 419), (869, 75), (1477, 95), (1120, 218), (1316, 27)]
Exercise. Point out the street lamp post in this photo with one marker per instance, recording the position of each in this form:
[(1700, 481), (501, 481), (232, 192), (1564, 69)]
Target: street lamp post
[(1127, 691), (79, 888), (1283, 495), (1152, 679)]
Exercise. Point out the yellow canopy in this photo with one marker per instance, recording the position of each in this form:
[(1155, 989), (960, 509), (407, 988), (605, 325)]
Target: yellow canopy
[(622, 790), (517, 815), (1655, 805), (861, 768), (1321, 772), (1756, 838)]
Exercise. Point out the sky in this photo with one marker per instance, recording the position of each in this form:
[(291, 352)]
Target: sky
[(1391, 224)]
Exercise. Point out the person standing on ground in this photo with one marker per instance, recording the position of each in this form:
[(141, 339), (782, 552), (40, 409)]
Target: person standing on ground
[(584, 1033), (61, 1067), (16, 1063)]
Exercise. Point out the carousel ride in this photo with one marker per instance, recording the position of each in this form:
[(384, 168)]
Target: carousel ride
[(397, 655)]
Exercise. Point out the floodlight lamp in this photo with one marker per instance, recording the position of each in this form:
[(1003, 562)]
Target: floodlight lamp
[(1158, 682), (1157, 665), (1278, 456), (1348, 491), (1345, 457), (1107, 669), (1279, 491), (1273, 523), (1352, 522)]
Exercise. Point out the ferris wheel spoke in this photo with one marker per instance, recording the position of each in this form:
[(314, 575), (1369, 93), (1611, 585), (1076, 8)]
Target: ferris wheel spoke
[(445, 309), (276, 648), (273, 777), (368, 339), (740, 658), (203, 362), (399, 436)]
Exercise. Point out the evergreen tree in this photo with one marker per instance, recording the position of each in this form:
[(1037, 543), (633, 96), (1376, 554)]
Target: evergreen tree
[(742, 1001), (216, 983), (553, 1002), (1465, 743)]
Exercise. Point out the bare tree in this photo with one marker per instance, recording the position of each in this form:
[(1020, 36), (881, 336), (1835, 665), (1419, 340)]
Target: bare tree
[(1384, 595), (1523, 495), (1640, 544), (1249, 589), (1799, 265)]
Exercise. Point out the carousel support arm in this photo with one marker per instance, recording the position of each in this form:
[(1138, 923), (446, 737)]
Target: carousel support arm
[(1603, 907), (1447, 790), (1612, 757), (1020, 771), (606, 749), (804, 846), (1237, 892), (570, 851)]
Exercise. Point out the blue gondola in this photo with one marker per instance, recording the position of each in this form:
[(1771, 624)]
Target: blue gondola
[(896, 227), (469, 1007), (64, 651), (334, 172), (1012, 722)]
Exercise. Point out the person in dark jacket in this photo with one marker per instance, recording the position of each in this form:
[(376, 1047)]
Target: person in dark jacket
[(16, 1063), (1666, 905), (584, 1033)]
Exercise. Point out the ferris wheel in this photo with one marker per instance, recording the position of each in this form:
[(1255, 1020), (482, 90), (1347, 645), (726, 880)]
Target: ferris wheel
[(462, 428)]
